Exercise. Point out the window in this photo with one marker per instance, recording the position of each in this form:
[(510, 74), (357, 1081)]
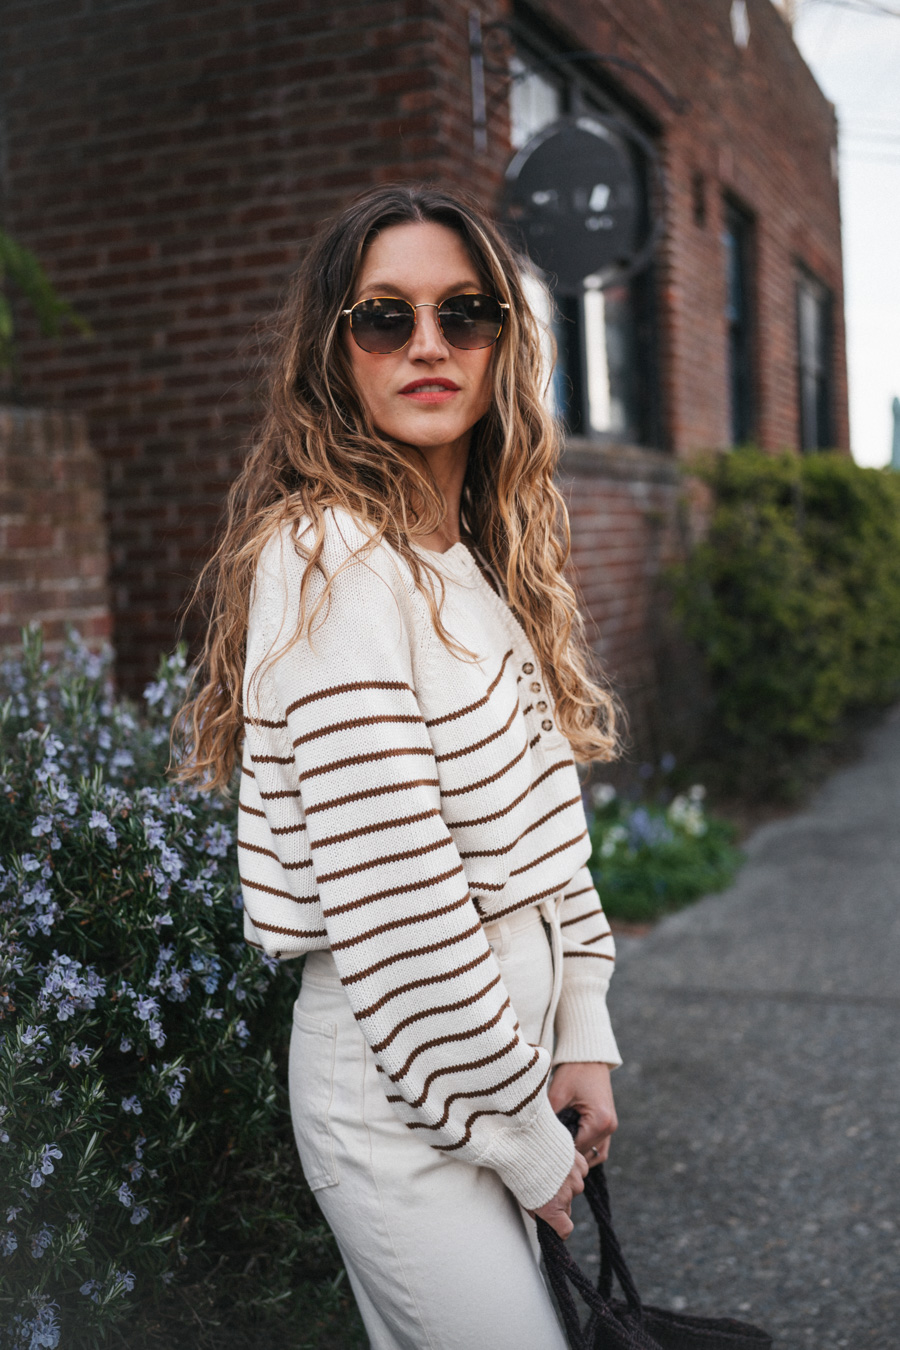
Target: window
[(814, 306), (604, 386), (737, 240)]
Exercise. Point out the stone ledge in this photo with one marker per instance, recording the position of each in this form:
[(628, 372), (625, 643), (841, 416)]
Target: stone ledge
[(583, 458)]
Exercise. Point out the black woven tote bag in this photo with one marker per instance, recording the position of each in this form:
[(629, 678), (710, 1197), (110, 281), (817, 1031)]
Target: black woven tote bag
[(624, 1323)]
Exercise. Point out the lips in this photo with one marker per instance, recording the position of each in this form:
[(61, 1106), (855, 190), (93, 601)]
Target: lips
[(430, 391)]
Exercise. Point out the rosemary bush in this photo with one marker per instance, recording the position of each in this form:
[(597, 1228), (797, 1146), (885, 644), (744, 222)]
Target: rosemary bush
[(141, 1041)]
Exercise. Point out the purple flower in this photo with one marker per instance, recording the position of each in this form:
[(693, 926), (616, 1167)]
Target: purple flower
[(131, 1104), (124, 1196), (41, 1241), (8, 1243), (139, 1213), (50, 1151), (77, 1056)]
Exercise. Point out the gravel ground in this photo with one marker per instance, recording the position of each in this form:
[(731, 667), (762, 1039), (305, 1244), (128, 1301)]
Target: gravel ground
[(756, 1172)]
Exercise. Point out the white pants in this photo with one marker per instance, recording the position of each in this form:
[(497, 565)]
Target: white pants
[(439, 1254)]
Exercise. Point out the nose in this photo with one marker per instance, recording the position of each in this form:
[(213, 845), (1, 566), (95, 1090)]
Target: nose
[(427, 342)]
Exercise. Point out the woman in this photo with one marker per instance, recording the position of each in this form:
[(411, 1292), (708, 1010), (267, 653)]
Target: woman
[(393, 640)]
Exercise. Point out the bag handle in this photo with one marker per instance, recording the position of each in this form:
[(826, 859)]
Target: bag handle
[(563, 1270)]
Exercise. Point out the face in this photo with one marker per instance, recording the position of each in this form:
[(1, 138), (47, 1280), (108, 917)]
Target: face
[(429, 394)]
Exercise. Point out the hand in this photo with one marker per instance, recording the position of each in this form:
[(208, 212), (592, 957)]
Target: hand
[(588, 1089), (558, 1211)]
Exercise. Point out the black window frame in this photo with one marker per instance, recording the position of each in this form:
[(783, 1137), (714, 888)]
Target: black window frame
[(815, 377), (739, 245)]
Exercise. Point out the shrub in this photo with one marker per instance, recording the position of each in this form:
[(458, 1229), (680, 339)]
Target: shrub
[(650, 858), (793, 599), (142, 1105)]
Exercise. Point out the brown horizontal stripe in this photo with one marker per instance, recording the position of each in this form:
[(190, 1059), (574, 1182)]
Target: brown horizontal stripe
[(513, 1111), (256, 848), (287, 829), (281, 795), (268, 853), (479, 703), (394, 890), (422, 984), (248, 772), (458, 1068), (434, 1012), (386, 858), (526, 867), (478, 1092), (533, 743), (374, 827), (450, 1039), (521, 904), (371, 792), (573, 895), (251, 810), (398, 923), (335, 689), (264, 722), (479, 745), (375, 720), (599, 938), (414, 951), (272, 759), (282, 895), (287, 932), (507, 848), (505, 810), (370, 758), (600, 955), (592, 913), (492, 778)]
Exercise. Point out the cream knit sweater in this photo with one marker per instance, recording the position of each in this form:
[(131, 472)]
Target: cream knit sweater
[(393, 797)]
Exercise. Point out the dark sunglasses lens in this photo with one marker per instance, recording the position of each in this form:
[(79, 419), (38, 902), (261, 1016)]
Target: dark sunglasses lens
[(382, 325), (471, 321)]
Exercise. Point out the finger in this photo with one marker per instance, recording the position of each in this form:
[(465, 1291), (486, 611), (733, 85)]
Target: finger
[(563, 1225)]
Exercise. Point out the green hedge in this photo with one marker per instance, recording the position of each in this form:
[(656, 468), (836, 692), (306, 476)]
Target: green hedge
[(793, 599)]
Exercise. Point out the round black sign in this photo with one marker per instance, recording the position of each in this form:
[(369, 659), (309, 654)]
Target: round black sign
[(573, 198)]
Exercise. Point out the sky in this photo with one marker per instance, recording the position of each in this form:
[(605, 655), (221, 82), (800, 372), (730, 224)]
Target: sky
[(853, 50)]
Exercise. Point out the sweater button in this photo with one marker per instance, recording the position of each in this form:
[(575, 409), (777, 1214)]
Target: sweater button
[(528, 668), (535, 687), (541, 707), (547, 725)]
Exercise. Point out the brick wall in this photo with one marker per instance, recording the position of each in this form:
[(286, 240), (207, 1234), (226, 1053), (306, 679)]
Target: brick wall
[(167, 159), (52, 531)]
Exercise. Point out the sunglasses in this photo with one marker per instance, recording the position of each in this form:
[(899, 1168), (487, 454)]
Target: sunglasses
[(386, 324)]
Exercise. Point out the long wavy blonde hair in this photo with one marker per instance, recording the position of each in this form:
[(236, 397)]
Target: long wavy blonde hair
[(318, 448)]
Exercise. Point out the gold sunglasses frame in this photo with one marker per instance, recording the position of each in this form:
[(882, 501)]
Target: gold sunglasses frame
[(426, 304)]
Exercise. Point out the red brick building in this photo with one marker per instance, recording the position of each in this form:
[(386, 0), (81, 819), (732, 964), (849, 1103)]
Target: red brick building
[(167, 158)]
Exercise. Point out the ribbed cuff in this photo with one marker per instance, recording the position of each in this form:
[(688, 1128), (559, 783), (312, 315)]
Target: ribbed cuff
[(533, 1163), (584, 1034)]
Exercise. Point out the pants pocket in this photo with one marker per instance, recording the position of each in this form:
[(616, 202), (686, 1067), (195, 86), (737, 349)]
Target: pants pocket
[(310, 1087)]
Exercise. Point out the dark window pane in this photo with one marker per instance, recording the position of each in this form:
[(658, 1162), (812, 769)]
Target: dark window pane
[(814, 361), (738, 316)]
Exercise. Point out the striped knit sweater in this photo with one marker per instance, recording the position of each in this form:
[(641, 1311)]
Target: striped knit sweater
[(394, 796)]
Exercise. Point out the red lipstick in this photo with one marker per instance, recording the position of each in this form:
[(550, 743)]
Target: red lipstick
[(435, 390)]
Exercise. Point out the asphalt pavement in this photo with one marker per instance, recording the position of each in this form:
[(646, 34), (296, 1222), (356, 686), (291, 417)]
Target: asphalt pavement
[(756, 1171)]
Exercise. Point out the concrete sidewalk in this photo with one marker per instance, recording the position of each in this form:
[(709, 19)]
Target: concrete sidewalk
[(756, 1172)]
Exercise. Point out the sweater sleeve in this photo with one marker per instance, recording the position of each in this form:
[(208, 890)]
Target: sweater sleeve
[(583, 1030), (406, 938)]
